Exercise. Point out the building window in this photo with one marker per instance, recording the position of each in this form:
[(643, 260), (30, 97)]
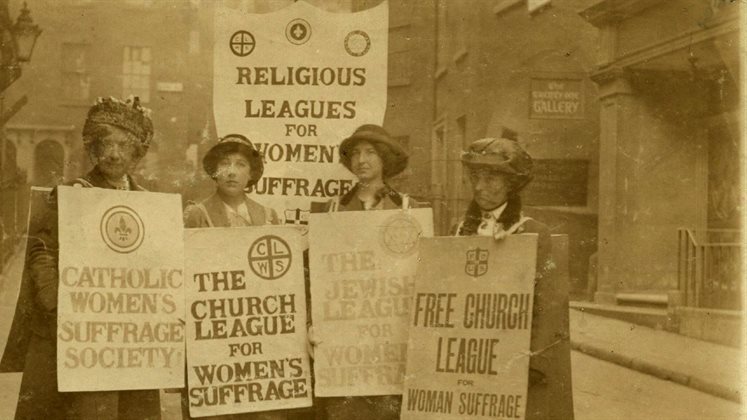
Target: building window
[(76, 82), (136, 72)]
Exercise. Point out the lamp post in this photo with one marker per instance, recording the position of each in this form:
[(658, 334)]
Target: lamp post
[(17, 43)]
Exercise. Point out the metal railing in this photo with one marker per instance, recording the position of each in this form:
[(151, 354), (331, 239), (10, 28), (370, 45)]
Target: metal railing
[(710, 267)]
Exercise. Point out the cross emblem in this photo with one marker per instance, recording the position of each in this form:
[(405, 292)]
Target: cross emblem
[(242, 43)]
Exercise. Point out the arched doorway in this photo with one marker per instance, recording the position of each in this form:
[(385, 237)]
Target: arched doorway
[(8, 164), (49, 161)]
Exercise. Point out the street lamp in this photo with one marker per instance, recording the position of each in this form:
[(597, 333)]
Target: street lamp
[(25, 34), (16, 45)]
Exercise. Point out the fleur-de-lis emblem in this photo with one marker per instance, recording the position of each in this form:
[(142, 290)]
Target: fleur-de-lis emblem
[(122, 230)]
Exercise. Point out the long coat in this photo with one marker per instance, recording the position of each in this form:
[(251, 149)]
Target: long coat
[(32, 342), (550, 394)]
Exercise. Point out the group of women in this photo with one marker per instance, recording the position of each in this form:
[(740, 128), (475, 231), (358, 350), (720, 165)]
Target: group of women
[(117, 134)]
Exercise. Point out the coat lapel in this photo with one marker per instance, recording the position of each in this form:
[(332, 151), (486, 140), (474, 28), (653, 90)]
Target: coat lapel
[(217, 211), (256, 211)]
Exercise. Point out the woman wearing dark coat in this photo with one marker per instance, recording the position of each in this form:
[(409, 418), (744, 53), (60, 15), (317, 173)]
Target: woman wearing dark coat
[(498, 169), (116, 136), (374, 157)]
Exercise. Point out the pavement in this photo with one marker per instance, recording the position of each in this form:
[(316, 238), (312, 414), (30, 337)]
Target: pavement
[(707, 367), (606, 391)]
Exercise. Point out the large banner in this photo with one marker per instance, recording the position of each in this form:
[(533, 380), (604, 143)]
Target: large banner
[(246, 324), (362, 277), (296, 82), (121, 298), (469, 330)]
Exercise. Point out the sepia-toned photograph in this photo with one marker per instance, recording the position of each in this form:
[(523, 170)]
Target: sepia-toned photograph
[(372, 209)]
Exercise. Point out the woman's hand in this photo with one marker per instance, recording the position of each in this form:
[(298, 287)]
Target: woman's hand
[(311, 341)]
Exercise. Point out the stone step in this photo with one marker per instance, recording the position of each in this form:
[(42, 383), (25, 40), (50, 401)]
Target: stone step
[(650, 317)]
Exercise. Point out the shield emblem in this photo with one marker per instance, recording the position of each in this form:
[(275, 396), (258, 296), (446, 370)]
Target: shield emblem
[(296, 217), (477, 262)]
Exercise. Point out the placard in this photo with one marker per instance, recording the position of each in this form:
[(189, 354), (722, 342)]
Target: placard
[(470, 327), (362, 276), (120, 304), (296, 82), (246, 323)]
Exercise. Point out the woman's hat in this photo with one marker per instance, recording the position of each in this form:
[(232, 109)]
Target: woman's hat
[(127, 115), (504, 155), (391, 153), (234, 143)]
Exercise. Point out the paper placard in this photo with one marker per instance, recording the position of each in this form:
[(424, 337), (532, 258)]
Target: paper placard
[(121, 298), (362, 275), (470, 327), (296, 82), (246, 322)]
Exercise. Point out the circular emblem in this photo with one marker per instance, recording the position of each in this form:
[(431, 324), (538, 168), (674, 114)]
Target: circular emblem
[(122, 229), (269, 257), (357, 43), (242, 43), (399, 235), (298, 31)]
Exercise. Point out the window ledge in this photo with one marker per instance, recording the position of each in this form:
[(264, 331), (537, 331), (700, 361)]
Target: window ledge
[(441, 72), (460, 55), (504, 5), (399, 82)]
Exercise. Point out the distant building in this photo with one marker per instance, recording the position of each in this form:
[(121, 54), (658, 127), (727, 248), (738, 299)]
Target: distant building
[(92, 48), (628, 108), (669, 150), (463, 70)]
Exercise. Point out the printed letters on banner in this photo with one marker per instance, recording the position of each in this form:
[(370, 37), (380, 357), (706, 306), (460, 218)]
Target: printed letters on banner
[(470, 327), (296, 82), (246, 324), (121, 296), (362, 276)]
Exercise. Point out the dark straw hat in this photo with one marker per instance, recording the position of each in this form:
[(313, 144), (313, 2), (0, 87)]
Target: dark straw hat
[(234, 143), (504, 155), (391, 153), (127, 115)]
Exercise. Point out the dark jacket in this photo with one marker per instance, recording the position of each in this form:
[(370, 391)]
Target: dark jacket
[(390, 199), (212, 213), (32, 341), (550, 392)]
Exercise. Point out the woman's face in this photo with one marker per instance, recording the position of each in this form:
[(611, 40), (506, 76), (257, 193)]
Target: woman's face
[(366, 162), (490, 188), (116, 154), (232, 174)]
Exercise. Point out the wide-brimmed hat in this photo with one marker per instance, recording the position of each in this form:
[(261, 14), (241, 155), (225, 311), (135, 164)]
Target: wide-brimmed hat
[(391, 153), (234, 143), (126, 114)]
